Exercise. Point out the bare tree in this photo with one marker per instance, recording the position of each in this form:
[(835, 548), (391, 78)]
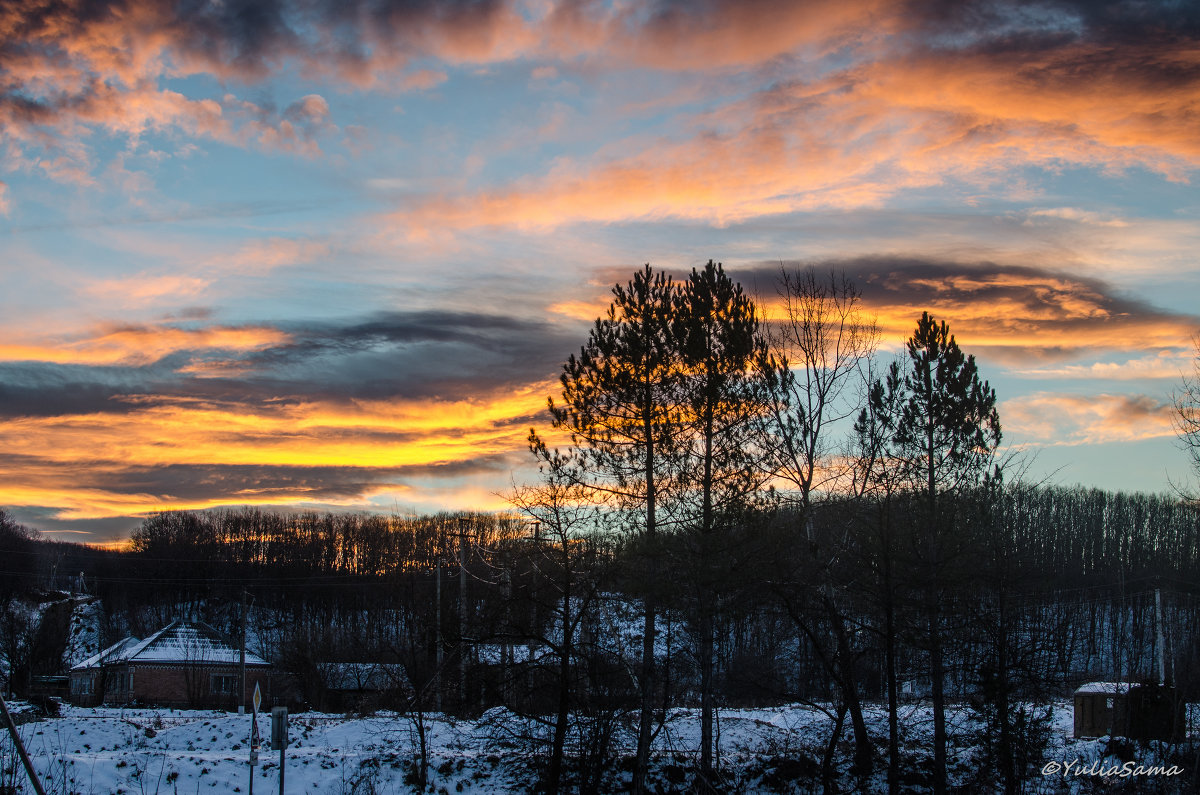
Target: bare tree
[(1187, 413), (818, 373), (563, 512)]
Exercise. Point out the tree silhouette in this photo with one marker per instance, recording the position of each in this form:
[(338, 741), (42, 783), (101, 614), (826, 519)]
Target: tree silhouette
[(1187, 413), (944, 433), (723, 397), (619, 406)]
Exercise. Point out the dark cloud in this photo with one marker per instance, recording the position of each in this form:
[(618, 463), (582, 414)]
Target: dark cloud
[(1029, 310), (184, 483), (411, 355), (1130, 20), (387, 356), (39, 389)]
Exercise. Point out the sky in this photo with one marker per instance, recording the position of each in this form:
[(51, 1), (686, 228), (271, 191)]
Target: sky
[(331, 254)]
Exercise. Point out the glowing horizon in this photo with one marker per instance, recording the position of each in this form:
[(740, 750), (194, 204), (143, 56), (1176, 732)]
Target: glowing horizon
[(333, 255)]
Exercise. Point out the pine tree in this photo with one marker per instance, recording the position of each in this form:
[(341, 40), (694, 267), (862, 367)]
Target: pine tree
[(619, 404), (944, 438), (723, 396)]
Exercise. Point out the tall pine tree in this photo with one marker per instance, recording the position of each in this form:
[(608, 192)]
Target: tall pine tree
[(944, 439), (619, 404)]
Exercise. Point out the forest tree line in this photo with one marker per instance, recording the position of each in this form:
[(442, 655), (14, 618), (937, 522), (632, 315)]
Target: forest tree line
[(732, 509)]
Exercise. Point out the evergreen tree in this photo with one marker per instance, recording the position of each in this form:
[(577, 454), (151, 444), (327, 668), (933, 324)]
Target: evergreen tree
[(619, 404), (944, 438), (723, 397)]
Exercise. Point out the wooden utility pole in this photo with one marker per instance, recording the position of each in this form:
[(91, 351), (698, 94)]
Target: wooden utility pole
[(462, 612), (438, 671), (242, 659), (20, 746)]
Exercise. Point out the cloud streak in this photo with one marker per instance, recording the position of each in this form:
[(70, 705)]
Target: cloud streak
[(170, 417), (1015, 313), (1057, 419)]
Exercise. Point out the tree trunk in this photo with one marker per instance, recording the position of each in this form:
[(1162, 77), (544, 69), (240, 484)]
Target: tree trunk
[(564, 691), (937, 673), (646, 717)]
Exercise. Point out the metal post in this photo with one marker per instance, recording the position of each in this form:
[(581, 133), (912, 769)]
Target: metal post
[(12, 729), (253, 748), (279, 739)]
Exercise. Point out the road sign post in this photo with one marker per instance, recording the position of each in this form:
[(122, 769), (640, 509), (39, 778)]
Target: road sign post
[(279, 738), (257, 701)]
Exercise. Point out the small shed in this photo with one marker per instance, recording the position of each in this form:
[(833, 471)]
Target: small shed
[(1128, 709), (1095, 704)]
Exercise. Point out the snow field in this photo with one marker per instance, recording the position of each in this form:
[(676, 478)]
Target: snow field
[(143, 751)]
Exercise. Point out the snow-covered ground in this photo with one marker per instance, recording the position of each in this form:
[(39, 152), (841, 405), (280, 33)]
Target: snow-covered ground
[(109, 750)]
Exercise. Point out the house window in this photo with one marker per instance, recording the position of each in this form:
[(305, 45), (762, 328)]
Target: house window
[(224, 684)]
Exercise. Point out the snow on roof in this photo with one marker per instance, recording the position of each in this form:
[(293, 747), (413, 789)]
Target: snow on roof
[(113, 653), (178, 642), (189, 642), (1109, 688)]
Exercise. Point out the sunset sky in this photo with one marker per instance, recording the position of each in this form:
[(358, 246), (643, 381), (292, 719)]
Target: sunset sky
[(332, 253)]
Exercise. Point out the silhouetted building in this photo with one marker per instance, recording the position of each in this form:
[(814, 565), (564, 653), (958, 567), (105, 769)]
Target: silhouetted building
[(1128, 709), (185, 664)]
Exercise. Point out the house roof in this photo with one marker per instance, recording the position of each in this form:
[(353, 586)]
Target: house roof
[(1108, 688), (178, 642), (112, 654)]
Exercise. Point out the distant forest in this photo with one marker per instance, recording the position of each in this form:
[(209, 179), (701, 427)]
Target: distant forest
[(1061, 582), (729, 513)]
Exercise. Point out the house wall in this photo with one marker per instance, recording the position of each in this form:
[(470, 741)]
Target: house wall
[(185, 686), (86, 687)]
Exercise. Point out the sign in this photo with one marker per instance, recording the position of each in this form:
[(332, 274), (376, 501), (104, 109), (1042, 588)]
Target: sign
[(279, 728), (257, 696)]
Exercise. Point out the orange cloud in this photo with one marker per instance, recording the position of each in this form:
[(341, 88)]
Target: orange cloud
[(1053, 419), (720, 35), (1016, 314), (1165, 364), (163, 433), (144, 289), (856, 137), (139, 345), (1121, 106), (264, 255)]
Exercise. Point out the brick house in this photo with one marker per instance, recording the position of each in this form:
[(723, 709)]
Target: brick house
[(185, 664)]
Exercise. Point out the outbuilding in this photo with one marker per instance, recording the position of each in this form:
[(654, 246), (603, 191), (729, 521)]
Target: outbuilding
[(1148, 711)]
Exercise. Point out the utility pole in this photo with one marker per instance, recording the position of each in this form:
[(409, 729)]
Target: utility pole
[(462, 611), (20, 746), (438, 671), (242, 659), (1158, 625)]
